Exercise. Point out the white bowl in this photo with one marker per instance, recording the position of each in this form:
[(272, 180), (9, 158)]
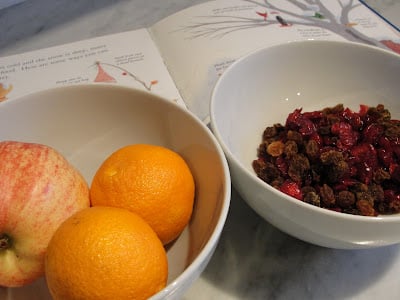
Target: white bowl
[(262, 88), (87, 123)]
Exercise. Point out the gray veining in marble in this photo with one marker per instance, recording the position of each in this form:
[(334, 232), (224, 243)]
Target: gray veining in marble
[(36, 24), (253, 259)]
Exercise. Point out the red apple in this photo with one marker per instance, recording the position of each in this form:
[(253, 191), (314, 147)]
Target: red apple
[(39, 189)]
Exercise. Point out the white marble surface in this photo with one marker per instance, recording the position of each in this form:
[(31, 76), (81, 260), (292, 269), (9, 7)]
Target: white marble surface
[(253, 259)]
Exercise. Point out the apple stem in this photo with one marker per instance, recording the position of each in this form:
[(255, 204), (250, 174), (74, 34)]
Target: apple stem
[(5, 242)]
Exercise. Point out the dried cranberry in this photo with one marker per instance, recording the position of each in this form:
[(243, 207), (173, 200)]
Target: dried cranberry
[(291, 188), (394, 205), (396, 150), (372, 133), (352, 118), (385, 143), (389, 195), (313, 115), (307, 127), (394, 171), (347, 136), (298, 121), (365, 153), (363, 109), (292, 121), (385, 157), (282, 165)]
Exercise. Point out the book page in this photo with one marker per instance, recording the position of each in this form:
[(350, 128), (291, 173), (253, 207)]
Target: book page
[(199, 43), (130, 59)]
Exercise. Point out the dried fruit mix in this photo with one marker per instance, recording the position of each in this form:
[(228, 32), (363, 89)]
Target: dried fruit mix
[(335, 158)]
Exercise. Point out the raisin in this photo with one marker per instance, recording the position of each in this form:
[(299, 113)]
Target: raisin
[(312, 149), (394, 205), (327, 195), (295, 136), (270, 132), (338, 171), (377, 192), (266, 171), (277, 182), (393, 131), (275, 148), (331, 157), (346, 199), (312, 198), (324, 130), (290, 148), (365, 208), (381, 175), (299, 166), (337, 109), (365, 196), (307, 189)]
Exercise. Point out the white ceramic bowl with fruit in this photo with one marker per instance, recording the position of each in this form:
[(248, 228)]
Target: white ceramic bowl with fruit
[(262, 89), (87, 123)]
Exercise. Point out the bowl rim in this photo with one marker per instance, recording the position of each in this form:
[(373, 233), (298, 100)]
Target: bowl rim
[(390, 218), (210, 245)]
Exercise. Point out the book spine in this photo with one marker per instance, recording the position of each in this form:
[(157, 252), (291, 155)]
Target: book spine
[(379, 15)]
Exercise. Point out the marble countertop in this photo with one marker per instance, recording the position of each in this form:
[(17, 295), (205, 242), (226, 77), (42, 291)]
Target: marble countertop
[(266, 264)]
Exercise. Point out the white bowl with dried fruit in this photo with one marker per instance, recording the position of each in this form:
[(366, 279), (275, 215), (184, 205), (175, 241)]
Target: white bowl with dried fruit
[(85, 124), (310, 133)]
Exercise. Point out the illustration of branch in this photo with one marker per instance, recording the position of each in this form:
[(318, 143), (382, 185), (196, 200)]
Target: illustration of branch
[(228, 24), (306, 13), (301, 6), (108, 78)]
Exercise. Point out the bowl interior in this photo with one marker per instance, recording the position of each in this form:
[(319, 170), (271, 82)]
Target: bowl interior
[(88, 123), (261, 89)]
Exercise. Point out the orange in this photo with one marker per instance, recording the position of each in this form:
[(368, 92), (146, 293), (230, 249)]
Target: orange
[(152, 181), (105, 253)]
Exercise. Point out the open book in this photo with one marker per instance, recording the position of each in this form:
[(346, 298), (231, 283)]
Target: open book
[(182, 56)]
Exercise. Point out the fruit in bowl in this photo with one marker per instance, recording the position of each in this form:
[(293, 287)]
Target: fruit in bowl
[(263, 88), (118, 246), (39, 189), (67, 119), (149, 180), (142, 197)]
